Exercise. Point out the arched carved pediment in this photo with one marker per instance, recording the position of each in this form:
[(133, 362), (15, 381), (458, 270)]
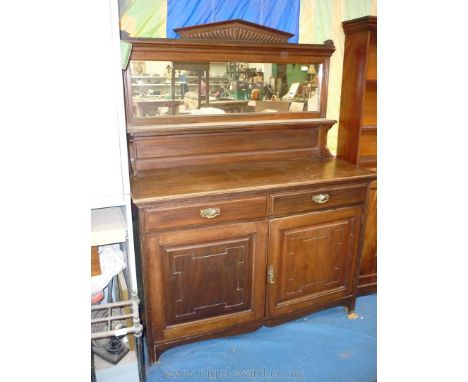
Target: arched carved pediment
[(234, 30)]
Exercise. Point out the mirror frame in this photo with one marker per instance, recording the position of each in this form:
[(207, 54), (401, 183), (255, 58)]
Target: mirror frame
[(178, 50)]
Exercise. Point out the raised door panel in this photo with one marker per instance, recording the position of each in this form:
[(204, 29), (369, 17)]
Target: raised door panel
[(314, 259), (207, 279)]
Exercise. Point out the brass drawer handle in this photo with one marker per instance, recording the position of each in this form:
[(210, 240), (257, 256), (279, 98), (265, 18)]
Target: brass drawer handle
[(320, 198), (210, 213)]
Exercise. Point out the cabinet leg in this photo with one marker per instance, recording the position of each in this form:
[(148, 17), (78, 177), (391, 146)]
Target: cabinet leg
[(350, 310)]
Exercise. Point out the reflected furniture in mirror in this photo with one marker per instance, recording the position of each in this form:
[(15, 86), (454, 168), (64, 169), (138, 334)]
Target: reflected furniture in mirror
[(191, 88), (245, 218), (169, 79), (357, 133)]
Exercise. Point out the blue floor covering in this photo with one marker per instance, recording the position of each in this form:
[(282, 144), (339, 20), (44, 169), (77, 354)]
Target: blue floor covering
[(322, 347)]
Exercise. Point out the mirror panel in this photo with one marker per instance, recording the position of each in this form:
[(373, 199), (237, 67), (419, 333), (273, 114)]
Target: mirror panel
[(164, 88)]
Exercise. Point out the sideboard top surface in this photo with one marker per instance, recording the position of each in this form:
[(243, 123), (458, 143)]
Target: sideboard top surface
[(243, 177)]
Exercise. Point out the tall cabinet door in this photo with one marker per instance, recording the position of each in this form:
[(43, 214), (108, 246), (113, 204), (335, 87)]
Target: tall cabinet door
[(204, 280), (312, 259)]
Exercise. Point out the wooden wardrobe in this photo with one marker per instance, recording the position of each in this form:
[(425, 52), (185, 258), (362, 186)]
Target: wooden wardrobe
[(357, 133), (245, 218)]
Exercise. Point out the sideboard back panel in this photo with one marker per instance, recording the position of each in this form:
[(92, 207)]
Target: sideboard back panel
[(225, 147)]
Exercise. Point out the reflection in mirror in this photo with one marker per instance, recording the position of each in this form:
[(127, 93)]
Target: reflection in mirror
[(161, 88)]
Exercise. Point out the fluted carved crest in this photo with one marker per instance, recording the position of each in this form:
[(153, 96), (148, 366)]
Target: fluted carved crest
[(234, 30)]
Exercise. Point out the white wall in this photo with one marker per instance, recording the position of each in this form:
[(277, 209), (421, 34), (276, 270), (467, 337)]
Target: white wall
[(109, 169), (109, 179)]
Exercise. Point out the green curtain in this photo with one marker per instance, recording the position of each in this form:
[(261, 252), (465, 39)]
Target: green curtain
[(143, 18)]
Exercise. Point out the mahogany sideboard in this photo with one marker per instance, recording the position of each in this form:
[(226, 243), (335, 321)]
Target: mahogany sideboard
[(245, 219)]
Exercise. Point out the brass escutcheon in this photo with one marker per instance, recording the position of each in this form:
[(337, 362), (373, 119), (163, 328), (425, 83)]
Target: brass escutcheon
[(271, 275)]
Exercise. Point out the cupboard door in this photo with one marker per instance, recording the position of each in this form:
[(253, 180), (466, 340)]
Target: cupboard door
[(313, 257), (207, 279)]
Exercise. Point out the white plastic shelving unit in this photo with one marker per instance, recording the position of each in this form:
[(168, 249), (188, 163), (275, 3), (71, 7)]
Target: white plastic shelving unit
[(108, 226)]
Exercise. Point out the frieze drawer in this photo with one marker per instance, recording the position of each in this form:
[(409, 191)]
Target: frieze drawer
[(207, 213), (317, 199)]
